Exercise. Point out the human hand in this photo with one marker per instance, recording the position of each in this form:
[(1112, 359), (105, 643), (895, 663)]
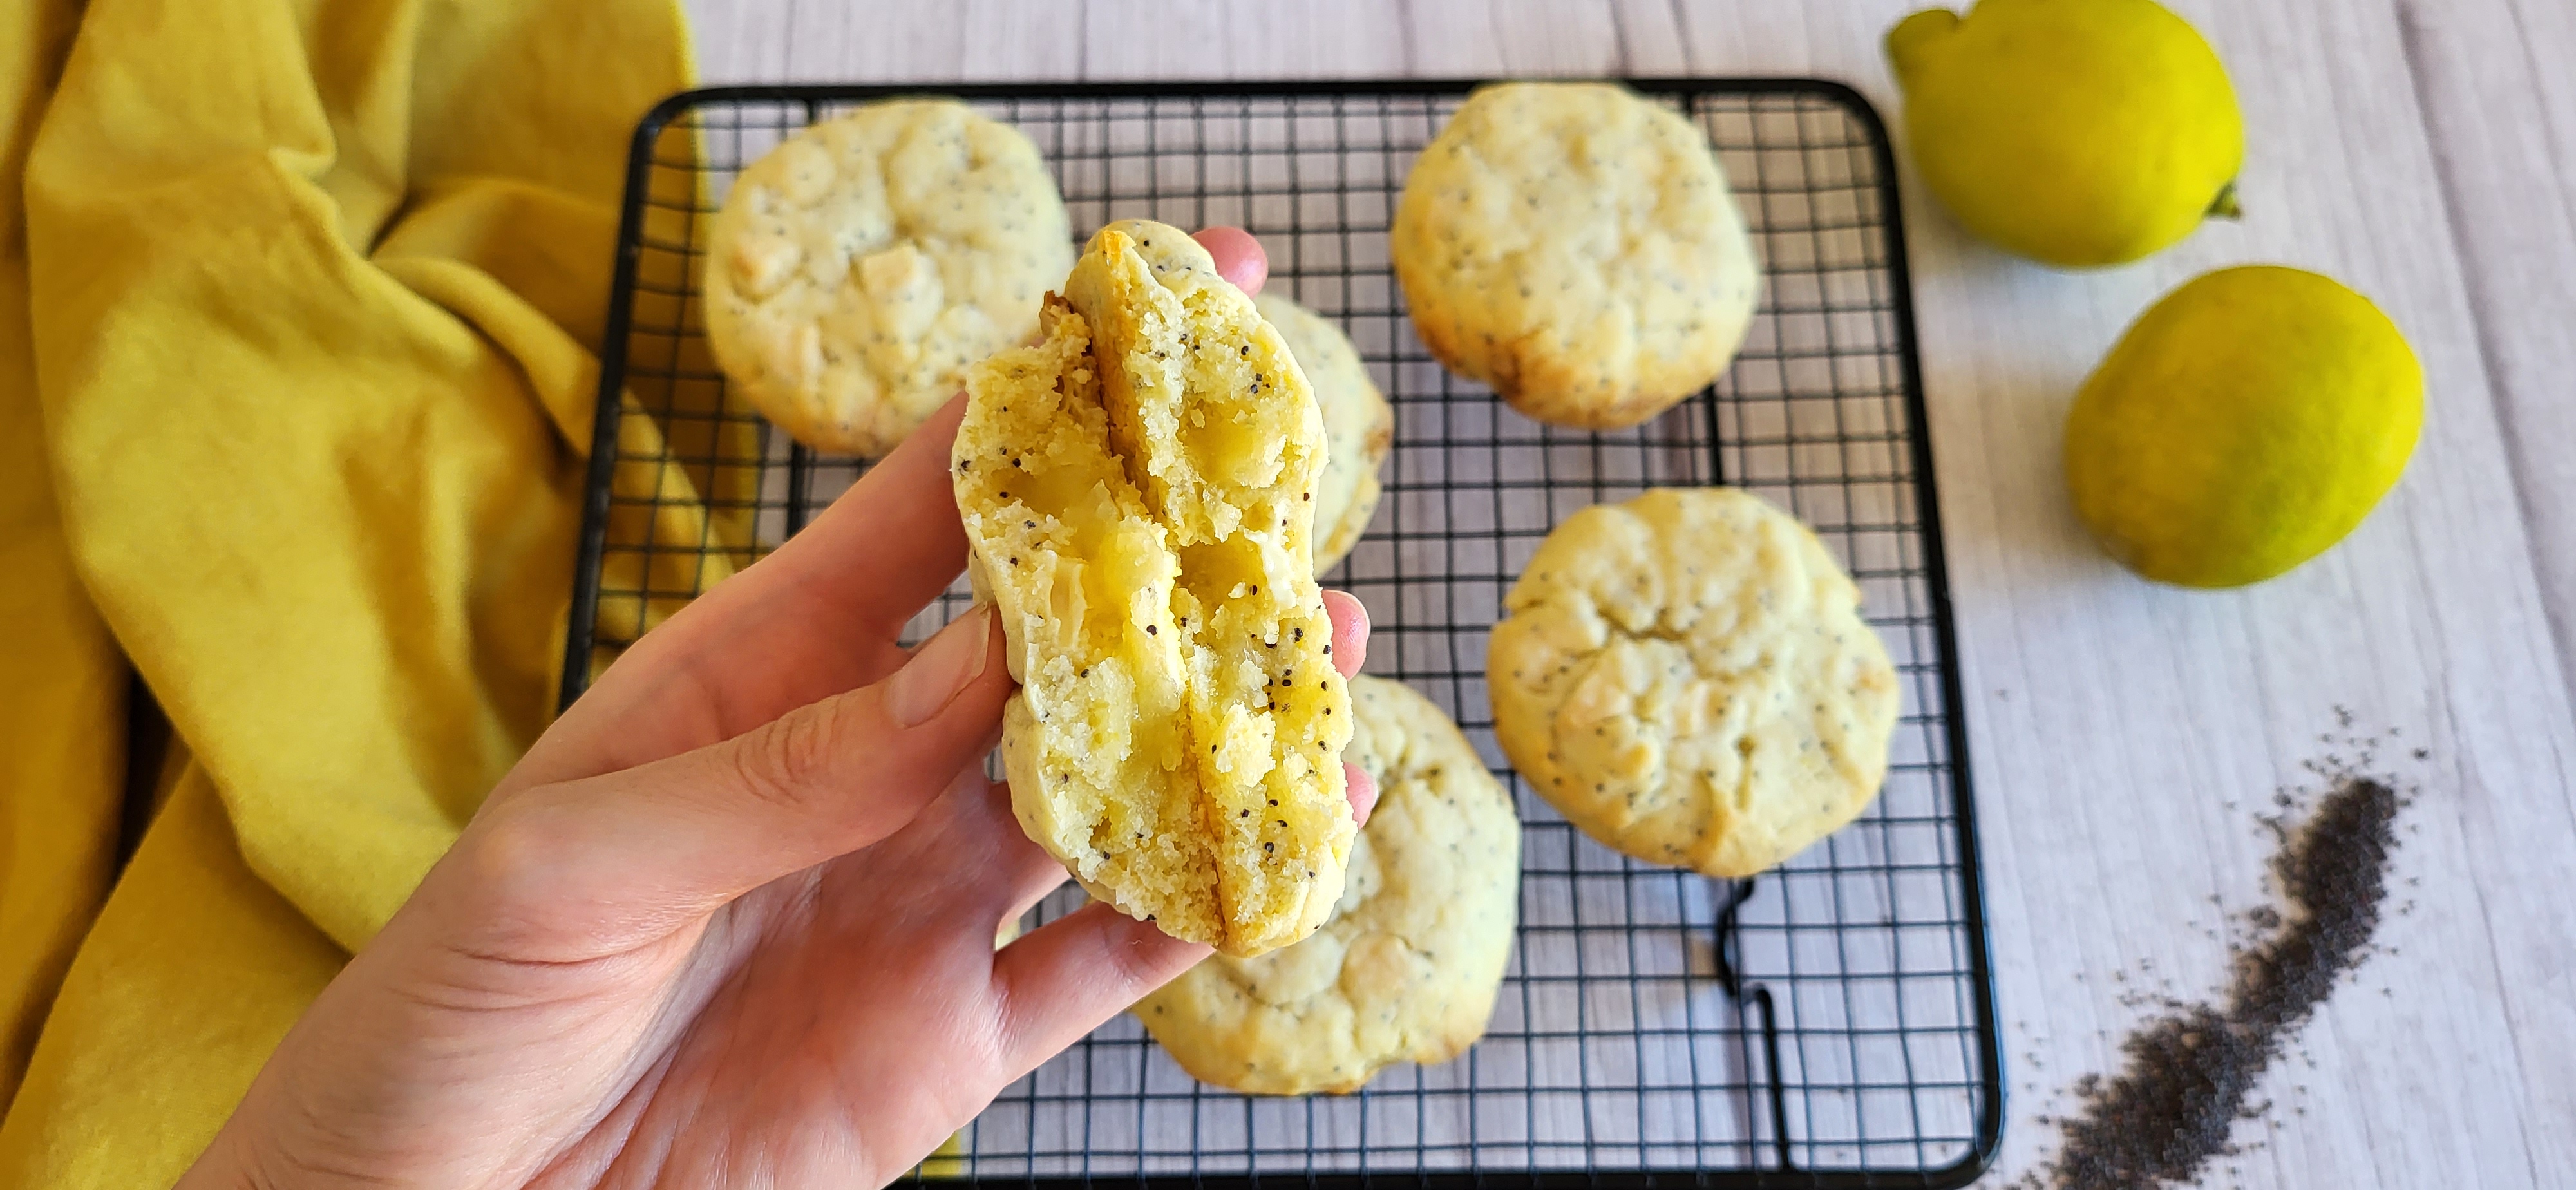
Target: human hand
[(731, 920)]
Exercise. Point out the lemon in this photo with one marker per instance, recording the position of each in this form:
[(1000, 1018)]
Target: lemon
[(2078, 133), (2244, 424)]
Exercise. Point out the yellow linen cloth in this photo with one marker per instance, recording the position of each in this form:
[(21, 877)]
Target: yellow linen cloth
[(62, 682), (304, 301)]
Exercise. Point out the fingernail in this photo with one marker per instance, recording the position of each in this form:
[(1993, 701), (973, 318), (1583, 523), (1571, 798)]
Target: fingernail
[(940, 668), (1362, 789)]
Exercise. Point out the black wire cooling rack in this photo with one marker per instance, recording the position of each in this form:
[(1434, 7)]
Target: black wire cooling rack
[(1829, 1024)]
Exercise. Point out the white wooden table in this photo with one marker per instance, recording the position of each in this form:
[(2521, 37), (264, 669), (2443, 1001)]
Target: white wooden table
[(2124, 736)]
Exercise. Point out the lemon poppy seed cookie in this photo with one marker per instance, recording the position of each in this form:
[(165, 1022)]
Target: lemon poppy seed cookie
[(1359, 426), (1407, 968), (1687, 678), (857, 268), (1575, 247), (1138, 490)]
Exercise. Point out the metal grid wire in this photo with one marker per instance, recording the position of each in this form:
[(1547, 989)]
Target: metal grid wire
[(1827, 1024)]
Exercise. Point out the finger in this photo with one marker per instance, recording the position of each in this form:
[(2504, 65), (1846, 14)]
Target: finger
[(1239, 257), (630, 852), (1028, 872), (889, 544), (886, 547), (970, 846), (1362, 789), (815, 618), (1350, 631), (1350, 650), (958, 870), (1062, 981)]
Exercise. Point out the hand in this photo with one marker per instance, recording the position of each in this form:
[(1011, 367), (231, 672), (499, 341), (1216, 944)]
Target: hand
[(731, 920)]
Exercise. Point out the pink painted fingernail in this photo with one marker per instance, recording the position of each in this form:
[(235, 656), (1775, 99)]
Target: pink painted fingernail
[(1238, 256), (945, 664)]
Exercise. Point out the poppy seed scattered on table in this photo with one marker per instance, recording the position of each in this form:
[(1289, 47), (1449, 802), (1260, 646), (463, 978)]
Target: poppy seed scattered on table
[(2191, 1073)]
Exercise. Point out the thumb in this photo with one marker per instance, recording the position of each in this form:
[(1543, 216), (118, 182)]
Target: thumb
[(641, 850)]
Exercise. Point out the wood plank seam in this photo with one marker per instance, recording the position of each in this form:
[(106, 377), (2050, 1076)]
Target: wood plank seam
[(2410, 40)]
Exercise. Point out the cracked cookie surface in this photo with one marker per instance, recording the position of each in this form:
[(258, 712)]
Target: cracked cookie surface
[(1407, 967), (857, 268), (1138, 490), (1575, 246), (1688, 679)]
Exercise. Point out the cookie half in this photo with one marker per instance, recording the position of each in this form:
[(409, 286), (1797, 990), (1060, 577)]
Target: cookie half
[(1575, 247), (1359, 426), (1687, 678), (1139, 491), (860, 266), (1407, 968)]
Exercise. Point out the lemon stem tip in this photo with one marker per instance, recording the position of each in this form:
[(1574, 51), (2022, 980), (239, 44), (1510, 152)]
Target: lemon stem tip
[(2224, 206)]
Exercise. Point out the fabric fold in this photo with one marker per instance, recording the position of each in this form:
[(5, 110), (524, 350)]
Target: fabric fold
[(63, 683), (313, 295)]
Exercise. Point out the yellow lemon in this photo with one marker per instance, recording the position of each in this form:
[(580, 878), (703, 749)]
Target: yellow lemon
[(2075, 132), (2245, 423)]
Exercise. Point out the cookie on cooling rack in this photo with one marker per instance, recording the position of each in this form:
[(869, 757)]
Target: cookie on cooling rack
[(1575, 247), (1139, 492), (1359, 426), (860, 266), (1687, 678), (1407, 968)]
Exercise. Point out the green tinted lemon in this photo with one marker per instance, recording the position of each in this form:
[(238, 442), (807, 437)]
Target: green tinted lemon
[(2246, 422), (2079, 133)]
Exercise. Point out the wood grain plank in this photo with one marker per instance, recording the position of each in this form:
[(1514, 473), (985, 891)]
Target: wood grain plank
[(1134, 39), (1451, 39), (1549, 38), (741, 42), (1019, 41), (900, 43), (2125, 737), (1746, 39), (1138, 39), (2493, 81), (1649, 37)]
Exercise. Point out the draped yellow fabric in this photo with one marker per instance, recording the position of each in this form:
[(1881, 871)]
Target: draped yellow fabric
[(62, 683), (310, 292)]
